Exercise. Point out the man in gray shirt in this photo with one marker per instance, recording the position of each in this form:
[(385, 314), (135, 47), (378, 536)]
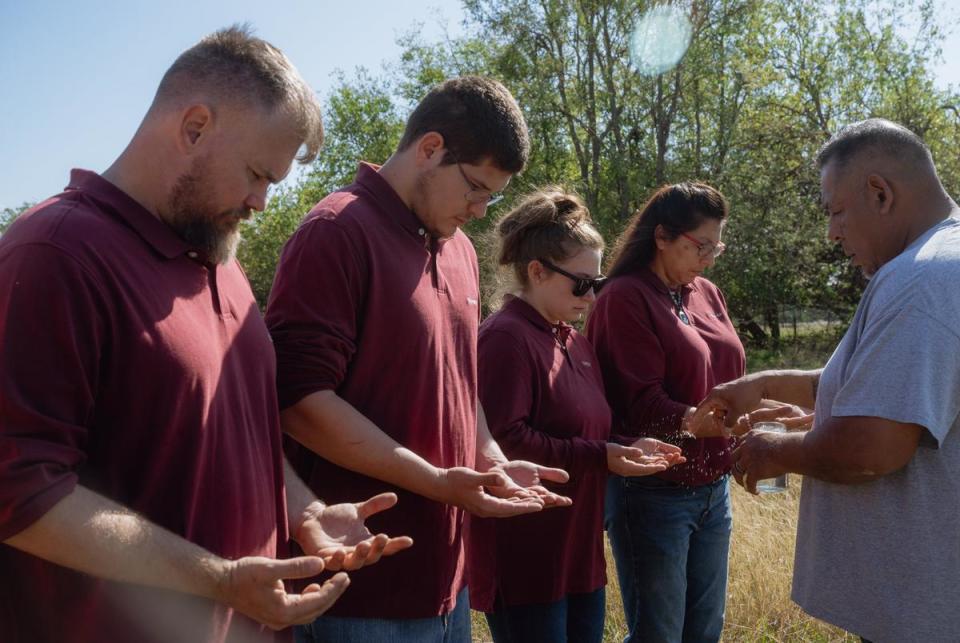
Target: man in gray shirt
[(878, 538)]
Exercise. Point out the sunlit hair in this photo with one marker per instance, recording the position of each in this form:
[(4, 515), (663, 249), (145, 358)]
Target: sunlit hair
[(550, 224), (232, 67), (678, 208), (878, 136), (478, 119)]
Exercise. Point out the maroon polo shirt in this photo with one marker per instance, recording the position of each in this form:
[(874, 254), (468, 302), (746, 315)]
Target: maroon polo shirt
[(542, 393), (366, 303), (132, 367), (655, 366)]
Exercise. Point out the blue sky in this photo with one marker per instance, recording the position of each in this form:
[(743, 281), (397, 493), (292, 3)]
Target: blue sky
[(78, 75)]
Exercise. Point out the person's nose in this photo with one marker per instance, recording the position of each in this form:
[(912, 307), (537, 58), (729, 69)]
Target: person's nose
[(257, 199), (835, 229), (477, 210)]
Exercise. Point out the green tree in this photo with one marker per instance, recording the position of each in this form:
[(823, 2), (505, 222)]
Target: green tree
[(761, 87), (7, 215)]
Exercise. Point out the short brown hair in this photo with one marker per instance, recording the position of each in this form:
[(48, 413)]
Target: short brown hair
[(478, 119), (550, 224), (233, 66), (678, 208)]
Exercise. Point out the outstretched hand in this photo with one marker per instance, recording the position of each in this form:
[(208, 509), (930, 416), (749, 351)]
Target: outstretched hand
[(790, 415), (488, 495), (254, 586), (643, 457), (525, 479), (338, 533), (723, 406)]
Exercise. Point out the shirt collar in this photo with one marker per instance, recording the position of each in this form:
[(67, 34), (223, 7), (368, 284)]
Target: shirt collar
[(121, 205), (522, 308)]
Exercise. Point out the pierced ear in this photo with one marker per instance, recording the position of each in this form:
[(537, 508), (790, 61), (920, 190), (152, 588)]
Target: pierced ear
[(195, 125), (880, 193)]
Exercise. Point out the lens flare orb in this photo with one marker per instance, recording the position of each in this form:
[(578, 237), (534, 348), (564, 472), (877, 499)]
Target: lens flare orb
[(660, 39)]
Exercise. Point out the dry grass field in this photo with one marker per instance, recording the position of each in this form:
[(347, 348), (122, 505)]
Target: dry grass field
[(759, 609)]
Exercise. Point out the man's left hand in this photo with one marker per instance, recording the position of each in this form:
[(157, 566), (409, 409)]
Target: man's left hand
[(526, 478), (337, 533), (753, 458)]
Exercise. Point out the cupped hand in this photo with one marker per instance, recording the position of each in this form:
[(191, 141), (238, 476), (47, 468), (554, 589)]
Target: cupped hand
[(527, 478), (489, 495), (339, 535), (643, 457), (254, 586)]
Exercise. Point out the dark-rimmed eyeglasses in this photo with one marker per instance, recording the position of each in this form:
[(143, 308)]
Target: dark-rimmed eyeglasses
[(706, 249), (476, 194), (581, 285)]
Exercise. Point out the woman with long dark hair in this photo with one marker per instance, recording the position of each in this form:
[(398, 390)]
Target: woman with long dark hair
[(664, 338)]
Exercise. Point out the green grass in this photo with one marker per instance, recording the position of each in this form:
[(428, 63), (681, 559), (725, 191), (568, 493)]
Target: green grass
[(811, 348)]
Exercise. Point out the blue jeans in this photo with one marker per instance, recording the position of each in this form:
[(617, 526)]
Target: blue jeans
[(452, 627), (670, 544), (575, 618)]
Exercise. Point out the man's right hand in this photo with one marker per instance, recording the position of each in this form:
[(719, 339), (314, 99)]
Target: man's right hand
[(727, 402), (465, 488), (254, 586)]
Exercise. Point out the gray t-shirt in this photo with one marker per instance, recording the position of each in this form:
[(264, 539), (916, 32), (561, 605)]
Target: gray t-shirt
[(882, 559)]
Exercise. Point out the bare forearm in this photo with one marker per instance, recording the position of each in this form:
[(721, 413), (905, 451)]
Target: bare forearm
[(90, 533), (299, 498), (489, 453), (332, 428), (790, 386), (848, 451)]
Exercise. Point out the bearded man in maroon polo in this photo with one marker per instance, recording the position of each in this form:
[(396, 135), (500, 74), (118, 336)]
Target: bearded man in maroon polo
[(143, 491)]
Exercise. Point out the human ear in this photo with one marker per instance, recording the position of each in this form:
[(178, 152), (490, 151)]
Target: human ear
[(880, 193), (535, 272), (196, 123), (660, 237), (430, 149)]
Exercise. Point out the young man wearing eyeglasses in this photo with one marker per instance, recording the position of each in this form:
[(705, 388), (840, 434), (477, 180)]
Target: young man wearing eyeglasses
[(374, 315)]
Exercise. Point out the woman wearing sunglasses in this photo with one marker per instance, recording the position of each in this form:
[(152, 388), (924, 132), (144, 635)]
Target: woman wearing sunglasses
[(541, 577), (664, 339)]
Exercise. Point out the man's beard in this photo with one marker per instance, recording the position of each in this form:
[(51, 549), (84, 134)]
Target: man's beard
[(192, 218)]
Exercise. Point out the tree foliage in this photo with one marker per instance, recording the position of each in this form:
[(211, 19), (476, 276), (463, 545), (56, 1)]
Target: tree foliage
[(762, 85), (7, 215)]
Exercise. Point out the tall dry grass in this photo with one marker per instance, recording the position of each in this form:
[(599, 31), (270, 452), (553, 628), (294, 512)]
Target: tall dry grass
[(759, 608)]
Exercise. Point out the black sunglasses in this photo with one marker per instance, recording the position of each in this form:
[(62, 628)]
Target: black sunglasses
[(581, 285)]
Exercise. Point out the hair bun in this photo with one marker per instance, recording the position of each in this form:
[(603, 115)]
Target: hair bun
[(566, 206)]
